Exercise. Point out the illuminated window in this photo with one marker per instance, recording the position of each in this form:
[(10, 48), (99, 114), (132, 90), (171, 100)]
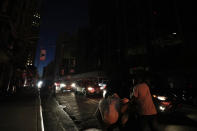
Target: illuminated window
[(36, 15)]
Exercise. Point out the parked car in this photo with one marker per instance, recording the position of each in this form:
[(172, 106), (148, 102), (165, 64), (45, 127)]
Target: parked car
[(170, 91)]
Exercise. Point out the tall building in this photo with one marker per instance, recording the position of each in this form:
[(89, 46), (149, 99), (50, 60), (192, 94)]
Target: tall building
[(75, 54), (48, 72), (18, 37), (149, 34), (65, 56)]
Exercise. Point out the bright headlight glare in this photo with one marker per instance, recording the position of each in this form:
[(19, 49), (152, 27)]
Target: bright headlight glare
[(102, 84), (162, 108), (62, 85), (40, 83), (102, 87), (73, 84), (90, 88), (162, 98), (154, 96), (104, 93)]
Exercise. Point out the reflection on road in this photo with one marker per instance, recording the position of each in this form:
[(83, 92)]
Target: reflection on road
[(80, 108)]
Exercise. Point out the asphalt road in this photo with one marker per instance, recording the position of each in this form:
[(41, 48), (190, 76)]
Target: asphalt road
[(81, 111)]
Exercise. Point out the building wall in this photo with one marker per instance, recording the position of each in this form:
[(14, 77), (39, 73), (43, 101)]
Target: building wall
[(64, 55), (48, 73), (136, 32), (15, 36)]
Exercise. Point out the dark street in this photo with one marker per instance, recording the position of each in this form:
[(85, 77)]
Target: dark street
[(92, 65), (81, 110)]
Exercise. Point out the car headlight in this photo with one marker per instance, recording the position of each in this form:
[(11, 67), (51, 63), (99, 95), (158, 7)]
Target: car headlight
[(101, 84), (62, 85), (162, 98), (102, 87), (90, 88), (154, 96), (73, 84), (162, 108)]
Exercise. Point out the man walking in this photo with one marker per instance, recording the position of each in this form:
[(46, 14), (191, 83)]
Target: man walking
[(147, 110)]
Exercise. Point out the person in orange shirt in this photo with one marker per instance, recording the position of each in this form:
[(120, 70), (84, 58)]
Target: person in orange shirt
[(146, 108)]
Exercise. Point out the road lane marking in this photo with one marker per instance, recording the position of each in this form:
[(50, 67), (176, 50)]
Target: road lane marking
[(41, 116)]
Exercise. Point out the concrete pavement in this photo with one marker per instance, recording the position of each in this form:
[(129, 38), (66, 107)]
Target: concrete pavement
[(55, 118), (21, 112)]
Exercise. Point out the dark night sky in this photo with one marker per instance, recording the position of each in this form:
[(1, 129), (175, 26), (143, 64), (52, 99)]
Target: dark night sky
[(59, 16)]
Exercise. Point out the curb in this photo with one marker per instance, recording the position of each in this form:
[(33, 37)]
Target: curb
[(72, 124), (40, 123)]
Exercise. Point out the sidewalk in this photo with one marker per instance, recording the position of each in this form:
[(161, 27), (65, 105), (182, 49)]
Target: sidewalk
[(55, 118), (21, 113)]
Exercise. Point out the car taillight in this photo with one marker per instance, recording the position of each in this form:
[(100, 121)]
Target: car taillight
[(165, 103), (91, 90)]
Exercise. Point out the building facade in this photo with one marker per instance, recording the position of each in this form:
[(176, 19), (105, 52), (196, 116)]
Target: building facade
[(65, 56), (149, 34), (18, 37)]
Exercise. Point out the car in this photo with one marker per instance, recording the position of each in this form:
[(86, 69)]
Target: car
[(65, 86), (89, 87)]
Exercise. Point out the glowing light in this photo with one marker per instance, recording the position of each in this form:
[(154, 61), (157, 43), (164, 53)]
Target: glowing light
[(165, 103), (162, 108), (62, 85), (73, 84), (40, 84), (91, 90), (104, 93), (102, 87), (154, 96), (162, 98)]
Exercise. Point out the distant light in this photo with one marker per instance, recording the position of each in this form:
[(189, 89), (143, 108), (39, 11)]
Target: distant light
[(162, 98), (102, 87), (162, 108), (154, 96), (104, 93), (62, 85), (91, 90), (73, 84), (174, 33), (39, 84)]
